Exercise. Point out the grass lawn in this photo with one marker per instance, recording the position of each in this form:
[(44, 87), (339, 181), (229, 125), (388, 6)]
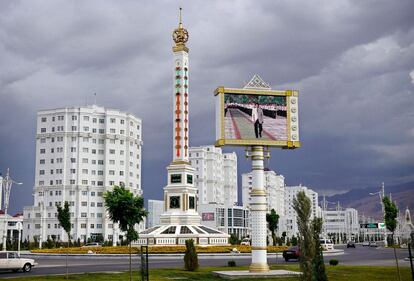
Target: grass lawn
[(337, 273)]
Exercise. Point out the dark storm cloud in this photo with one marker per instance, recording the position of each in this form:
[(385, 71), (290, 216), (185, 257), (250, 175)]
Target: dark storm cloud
[(351, 61)]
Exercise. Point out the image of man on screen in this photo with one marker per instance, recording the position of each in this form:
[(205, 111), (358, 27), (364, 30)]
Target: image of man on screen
[(257, 119)]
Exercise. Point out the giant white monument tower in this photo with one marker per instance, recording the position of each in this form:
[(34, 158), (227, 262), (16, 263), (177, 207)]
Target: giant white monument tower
[(180, 220)]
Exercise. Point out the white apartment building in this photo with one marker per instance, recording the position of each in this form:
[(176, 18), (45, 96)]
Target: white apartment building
[(230, 179), (155, 209), (81, 152), (289, 222), (342, 224), (215, 175), (275, 188)]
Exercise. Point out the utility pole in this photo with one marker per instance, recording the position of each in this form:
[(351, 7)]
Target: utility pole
[(7, 183)]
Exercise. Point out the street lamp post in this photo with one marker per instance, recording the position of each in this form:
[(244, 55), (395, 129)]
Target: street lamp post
[(7, 185), (381, 195)]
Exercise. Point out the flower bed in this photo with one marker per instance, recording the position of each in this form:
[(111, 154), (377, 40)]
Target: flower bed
[(155, 249)]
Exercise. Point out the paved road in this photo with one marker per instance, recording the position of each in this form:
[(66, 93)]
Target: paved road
[(79, 264)]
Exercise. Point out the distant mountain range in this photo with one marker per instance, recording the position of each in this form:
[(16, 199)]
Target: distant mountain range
[(369, 205)]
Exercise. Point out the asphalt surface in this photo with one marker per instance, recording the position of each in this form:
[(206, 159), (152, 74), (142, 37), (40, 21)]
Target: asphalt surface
[(49, 265)]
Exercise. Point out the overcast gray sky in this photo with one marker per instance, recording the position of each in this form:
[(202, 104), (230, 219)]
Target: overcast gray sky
[(352, 61)]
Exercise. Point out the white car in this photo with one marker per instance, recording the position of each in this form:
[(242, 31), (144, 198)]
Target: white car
[(12, 261), (326, 244), (245, 241)]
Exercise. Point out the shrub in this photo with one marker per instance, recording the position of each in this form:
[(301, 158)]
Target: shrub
[(333, 262), (190, 257), (231, 263)]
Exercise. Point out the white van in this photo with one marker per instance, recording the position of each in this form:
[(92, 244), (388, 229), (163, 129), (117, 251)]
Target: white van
[(326, 244)]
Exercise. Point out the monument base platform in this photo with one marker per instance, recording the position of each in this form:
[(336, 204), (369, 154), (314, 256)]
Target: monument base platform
[(238, 274), (173, 234)]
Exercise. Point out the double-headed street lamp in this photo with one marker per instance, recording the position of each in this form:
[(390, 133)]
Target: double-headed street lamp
[(381, 195), (7, 182)]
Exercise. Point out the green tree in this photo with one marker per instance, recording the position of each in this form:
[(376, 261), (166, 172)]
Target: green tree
[(234, 239), (318, 265), (272, 222), (302, 206), (390, 219), (127, 210), (284, 236), (64, 221), (190, 257)]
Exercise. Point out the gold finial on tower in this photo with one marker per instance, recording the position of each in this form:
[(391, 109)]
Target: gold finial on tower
[(180, 36)]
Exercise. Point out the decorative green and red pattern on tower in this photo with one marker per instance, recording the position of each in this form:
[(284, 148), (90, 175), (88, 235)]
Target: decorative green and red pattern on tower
[(177, 112), (181, 102)]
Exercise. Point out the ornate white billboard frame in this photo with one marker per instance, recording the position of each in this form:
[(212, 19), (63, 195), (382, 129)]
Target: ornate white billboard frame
[(289, 138)]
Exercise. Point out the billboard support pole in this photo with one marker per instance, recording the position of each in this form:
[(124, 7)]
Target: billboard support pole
[(258, 209)]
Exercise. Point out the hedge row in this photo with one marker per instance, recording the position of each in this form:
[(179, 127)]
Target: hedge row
[(155, 249)]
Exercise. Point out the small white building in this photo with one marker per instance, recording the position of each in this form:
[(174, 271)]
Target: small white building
[(215, 175), (340, 224), (81, 152), (155, 209), (13, 225), (231, 219)]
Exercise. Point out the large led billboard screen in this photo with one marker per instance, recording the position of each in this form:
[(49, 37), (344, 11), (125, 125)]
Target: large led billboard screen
[(257, 117)]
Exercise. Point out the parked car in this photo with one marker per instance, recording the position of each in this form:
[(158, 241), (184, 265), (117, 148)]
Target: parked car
[(350, 244), (365, 244), (13, 261), (326, 244), (373, 244), (245, 241), (92, 244), (291, 253)]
